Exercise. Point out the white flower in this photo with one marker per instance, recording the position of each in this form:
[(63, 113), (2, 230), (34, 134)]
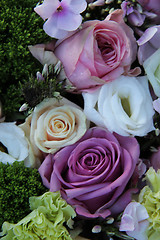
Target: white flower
[(134, 221), (123, 106), (53, 125), (152, 69), (13, 140)]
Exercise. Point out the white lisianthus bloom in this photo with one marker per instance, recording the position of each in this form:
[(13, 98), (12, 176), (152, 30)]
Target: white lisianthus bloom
[(54, 124), (123, 106), (152, 69), (14, 145), (134, 221)]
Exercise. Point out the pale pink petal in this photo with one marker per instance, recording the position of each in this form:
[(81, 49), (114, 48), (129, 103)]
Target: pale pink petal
[(134, 221), (50, 27), (75, 43), (148, 34), (78, 6), (68, 21), (46, 9), (116, 16), (156, 105), (42, 55), (85, 79), (127, 223)]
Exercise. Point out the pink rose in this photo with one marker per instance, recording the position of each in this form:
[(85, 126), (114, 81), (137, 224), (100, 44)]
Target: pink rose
[(93, 173), (98, 52)]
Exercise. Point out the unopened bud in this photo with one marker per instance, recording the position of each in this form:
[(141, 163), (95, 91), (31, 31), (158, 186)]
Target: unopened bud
[(45, 70), (110, 220), (157, 131), (96, 229), (109, 1), (24, 107), (39, 77), (58, 67)]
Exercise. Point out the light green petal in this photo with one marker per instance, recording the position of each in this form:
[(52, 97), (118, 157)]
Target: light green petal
[(34, 227), (150, 198), (153, 235), (54, 207), (45, 222), (153, 179), (7, 228)]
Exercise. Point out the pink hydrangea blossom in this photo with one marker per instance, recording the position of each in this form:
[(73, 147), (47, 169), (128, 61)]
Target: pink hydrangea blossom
[(63, 16)]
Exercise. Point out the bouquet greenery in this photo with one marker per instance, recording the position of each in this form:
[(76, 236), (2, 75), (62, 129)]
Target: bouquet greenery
[(80, 120)]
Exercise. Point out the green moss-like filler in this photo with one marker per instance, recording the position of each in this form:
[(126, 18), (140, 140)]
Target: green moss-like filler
[(17, 184), (45, 222), (150, 198), (20, 26)]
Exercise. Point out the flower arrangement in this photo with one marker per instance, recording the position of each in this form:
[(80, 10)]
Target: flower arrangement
[(80, 160)]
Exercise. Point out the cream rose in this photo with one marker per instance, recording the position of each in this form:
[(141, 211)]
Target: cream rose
[(14, 145), (152, 69), (123, 106), (53, 125)]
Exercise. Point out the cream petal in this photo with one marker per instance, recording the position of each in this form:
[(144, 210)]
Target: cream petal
[(55, 124), (13, 138)]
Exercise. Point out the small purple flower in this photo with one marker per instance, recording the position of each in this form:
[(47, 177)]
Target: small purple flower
[(63, 16), (153, 7), (148, 43), (135, 14), (134, 221)]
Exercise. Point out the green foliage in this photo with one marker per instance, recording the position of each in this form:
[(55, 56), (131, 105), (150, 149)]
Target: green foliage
[(17, 184), (46, 220), (20, 26)]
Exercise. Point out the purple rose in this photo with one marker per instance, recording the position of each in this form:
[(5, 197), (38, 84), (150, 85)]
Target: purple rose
[(92, 174)]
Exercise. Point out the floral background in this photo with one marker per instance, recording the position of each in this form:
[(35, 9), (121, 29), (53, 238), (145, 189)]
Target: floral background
[(79, 152)]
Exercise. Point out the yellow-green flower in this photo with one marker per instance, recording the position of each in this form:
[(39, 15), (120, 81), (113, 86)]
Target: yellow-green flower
[(45, 222), (54, 208), (150, 198)]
